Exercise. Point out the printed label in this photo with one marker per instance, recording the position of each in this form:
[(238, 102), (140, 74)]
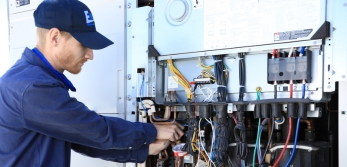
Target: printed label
[(20, 3), (171, 82), (289, 35)]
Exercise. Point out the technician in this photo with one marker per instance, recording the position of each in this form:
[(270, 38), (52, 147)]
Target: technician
[(40, 123)]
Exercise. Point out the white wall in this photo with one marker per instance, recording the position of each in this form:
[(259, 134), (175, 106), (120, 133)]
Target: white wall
[(4, 47)]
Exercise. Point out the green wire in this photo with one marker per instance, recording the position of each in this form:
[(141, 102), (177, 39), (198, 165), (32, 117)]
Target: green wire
[(258, 95), (255, 147)]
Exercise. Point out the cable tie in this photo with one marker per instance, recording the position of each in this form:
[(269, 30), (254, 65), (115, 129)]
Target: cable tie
[(217, 61), (221, 86)]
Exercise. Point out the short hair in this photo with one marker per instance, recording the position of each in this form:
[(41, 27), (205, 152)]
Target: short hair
[(42, 32)]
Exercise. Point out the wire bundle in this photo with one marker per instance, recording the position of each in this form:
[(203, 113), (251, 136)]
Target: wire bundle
[(221, 74), (180, 79), (221, 145), (240, 137)]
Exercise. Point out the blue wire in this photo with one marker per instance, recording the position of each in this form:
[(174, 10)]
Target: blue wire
[(302, 51), (243, 163), (296, 139), (141, 88), (303, 90)]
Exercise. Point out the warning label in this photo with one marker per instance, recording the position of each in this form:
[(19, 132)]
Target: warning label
[(22, 2), (289, 35)]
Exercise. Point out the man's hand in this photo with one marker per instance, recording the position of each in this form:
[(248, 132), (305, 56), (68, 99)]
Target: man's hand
[(157, 146), (170, 132)]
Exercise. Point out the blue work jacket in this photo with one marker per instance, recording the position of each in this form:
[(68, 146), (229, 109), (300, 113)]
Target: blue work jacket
[(40, 123)]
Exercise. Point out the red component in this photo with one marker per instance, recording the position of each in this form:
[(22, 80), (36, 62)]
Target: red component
[(286, 144), (192, 83), (274, 53)]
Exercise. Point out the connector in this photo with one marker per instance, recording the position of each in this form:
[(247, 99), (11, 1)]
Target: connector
[(203, 81)]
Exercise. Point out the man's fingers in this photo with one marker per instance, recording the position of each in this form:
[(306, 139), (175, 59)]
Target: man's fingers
[(180, 126), (180, 132)]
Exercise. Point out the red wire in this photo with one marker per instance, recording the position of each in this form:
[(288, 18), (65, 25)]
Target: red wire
[(291, 90), (274, 53), (286, 144)]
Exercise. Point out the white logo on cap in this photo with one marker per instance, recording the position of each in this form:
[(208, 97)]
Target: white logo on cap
[(89, 18)]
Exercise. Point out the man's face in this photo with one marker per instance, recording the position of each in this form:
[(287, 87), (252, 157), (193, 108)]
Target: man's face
[(73, 55)]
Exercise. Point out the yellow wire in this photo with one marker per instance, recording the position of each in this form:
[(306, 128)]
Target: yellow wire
[(205, 67), (180, 79)]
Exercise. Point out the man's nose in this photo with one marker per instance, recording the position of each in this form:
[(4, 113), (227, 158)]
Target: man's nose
[(89, 54)]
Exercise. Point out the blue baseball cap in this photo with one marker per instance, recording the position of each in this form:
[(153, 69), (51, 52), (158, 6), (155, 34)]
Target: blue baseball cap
[(71, 16)]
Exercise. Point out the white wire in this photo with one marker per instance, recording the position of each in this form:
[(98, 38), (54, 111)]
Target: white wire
[(209, 96), (202, 92), (203, 145), (213, 137)]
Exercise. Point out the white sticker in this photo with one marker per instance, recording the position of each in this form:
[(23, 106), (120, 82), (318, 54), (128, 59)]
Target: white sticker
[(197, 4), (171, 82)]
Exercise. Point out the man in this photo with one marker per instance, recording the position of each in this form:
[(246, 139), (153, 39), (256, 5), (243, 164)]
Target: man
[(40, 123)]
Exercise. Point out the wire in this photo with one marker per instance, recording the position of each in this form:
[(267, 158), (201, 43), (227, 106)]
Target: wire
[(180, 79), (205, 67), (303, 90), (269, 141), (202, 146), (221, 77), (295, 141), (275, 90), (141, 89), (286, 144), (243, 163), (256, 143), (291, 88)]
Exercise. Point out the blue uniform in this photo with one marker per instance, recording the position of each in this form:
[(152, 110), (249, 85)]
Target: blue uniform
[(40, 123)]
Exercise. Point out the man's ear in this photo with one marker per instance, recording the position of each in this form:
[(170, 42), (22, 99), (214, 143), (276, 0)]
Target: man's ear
[(54, 36)]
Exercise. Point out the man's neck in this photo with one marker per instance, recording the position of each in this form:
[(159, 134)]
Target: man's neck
[(50, 58)]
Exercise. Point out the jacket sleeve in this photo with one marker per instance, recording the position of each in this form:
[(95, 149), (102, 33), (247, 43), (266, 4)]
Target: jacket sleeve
[(136, 156), (49, 110)]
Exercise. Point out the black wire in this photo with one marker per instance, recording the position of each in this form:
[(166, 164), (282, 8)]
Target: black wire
[(242, 71), (269, 141), (220, 78), (275, 91), (240, 137)]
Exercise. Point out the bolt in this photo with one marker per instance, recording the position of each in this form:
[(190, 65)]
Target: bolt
[(129, 5), (343, 76), (133, 87), (329, 86), (312, 93), (119, 98), (129, 23), (133, 36), (343, 112), (129, 77)]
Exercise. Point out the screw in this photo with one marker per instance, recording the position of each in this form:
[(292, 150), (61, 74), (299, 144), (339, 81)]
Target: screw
[(129, 5), (119, 98), (343, 76), (258, 89), (329, 86), (315, 42), (343, 112), (249, 49), (129, 23), (129, 77), (120, 6), (133, 87), (129, 98)]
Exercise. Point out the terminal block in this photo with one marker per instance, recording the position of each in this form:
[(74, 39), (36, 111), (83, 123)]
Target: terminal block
[(283, 69)]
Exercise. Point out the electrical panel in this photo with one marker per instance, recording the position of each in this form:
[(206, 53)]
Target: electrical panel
[(254, 83)]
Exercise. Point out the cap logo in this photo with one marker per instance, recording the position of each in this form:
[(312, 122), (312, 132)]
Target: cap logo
[(89, 18)]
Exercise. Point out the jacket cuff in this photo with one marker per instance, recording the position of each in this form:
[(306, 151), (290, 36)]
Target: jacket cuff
[(151, 133), (141, 154)]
